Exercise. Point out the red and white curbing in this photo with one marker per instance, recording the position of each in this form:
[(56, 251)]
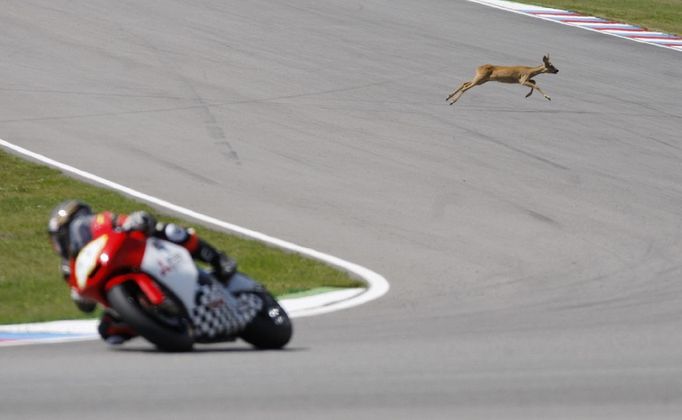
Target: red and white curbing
[(86, 329), (592, 23)]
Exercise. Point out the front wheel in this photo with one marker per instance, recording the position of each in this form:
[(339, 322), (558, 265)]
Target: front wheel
[(271, 328), (167, 329)]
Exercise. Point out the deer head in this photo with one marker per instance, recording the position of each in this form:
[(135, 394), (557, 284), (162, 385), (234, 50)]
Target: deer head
[(549, 67)]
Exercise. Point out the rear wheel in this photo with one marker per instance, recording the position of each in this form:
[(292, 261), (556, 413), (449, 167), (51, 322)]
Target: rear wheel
[(164, 325), (271, 328)]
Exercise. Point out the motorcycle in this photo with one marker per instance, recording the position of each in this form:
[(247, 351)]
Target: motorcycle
[(156, 287)]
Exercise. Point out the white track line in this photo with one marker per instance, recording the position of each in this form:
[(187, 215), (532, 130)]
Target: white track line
[(377, 285)]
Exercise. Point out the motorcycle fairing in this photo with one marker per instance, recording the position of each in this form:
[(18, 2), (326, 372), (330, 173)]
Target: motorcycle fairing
[(173, 266), (219, 314), (87, 260), (240, 283), (144, 282), (214, 311)]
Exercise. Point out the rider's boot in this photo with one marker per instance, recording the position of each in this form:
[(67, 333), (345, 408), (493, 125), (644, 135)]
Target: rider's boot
[(82, 303), (113, 330), (224, 268)]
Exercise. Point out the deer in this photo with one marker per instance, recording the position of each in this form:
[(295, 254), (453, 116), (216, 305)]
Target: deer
[(522, 75)]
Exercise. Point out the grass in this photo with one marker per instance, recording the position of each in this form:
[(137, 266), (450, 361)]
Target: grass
[(31, 288), (662, 15)]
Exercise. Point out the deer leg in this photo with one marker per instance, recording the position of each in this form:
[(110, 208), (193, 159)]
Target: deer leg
[(466, 86), (532, 88), (455, 96), (543, 93), (531, 84), (456, 91)]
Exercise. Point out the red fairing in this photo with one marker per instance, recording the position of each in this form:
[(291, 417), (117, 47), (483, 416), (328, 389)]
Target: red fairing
[(122, 253), (146, 283)]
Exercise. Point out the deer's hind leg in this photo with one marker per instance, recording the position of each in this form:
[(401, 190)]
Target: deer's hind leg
[(456, 91), (478, 80)]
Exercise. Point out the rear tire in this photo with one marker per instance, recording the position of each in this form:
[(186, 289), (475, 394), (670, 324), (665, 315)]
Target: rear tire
[(271, 328), (167, 332)]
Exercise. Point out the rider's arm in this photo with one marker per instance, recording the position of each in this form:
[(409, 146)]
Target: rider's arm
[(199, 249), (138, 221)]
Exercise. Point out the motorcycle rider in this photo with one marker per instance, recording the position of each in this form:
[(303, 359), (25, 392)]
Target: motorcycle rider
[(72, 225)]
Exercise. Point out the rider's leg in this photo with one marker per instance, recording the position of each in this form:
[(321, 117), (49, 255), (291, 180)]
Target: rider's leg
[(113, 330)]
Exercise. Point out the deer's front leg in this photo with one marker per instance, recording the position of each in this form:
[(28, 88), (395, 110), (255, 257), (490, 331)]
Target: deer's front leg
[(531, 84), (532, 87)]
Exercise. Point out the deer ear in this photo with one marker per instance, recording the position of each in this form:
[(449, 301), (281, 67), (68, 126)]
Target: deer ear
[(546, 57)]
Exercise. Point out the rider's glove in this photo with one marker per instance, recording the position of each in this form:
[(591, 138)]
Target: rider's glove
[(84, 304), (140, 221)]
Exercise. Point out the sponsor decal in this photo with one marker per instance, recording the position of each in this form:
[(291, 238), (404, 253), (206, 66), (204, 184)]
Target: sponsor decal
[(169, 264)]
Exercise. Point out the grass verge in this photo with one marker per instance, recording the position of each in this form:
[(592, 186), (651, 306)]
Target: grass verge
[(31, 288), (662, 15)]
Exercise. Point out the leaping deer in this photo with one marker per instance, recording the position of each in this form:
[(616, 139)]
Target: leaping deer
[(506, 74)]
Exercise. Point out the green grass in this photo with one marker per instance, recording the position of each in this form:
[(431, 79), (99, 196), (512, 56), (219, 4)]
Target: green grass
[(662, 15), (31, 288)]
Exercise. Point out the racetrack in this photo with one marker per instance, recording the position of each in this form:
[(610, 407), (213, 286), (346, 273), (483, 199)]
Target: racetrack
[(533, 248)]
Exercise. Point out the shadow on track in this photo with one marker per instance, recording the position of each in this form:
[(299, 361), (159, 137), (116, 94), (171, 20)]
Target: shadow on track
[(201, 349)]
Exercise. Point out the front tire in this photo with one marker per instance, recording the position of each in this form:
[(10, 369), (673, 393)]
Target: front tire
[(271, 328), (169, 332)]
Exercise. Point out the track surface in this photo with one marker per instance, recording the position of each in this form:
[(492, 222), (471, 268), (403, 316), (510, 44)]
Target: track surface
[(533, 248)]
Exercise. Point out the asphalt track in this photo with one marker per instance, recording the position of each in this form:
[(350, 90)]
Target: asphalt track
[(533, 248)]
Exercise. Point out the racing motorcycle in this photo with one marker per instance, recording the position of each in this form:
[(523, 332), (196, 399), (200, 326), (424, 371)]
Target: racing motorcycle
[(156, 287)]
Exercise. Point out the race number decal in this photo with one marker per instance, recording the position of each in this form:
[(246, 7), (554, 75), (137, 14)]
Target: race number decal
[(87, 260)]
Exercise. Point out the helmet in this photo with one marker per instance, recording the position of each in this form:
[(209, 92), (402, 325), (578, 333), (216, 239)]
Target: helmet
[(60, 220)]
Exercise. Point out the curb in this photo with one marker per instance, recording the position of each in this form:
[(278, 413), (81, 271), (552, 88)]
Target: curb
[(86, 329), (592, 23)]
